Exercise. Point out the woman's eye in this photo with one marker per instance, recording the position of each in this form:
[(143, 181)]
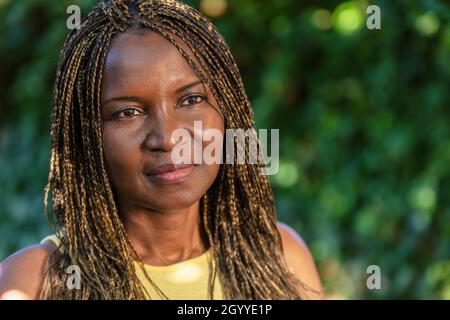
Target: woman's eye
[(192, 100), (128, 113)]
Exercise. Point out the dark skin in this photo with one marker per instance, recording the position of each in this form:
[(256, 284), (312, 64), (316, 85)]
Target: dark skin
[(162, 94), (162, 220)]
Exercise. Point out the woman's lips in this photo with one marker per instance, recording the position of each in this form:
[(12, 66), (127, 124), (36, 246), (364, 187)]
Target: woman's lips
[(171, 173)]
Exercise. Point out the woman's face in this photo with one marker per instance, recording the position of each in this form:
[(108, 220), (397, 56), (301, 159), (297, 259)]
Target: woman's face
[(148, 91)]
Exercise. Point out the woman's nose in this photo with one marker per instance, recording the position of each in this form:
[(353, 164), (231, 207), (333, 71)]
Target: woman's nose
[(159, 136)]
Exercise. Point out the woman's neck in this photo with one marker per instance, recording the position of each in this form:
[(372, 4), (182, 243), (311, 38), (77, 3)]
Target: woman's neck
[(164, 238)]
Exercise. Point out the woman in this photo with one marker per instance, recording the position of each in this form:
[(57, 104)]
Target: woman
[(127, 220)]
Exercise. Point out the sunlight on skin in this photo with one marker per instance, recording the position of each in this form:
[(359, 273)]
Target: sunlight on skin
[(14, 295)]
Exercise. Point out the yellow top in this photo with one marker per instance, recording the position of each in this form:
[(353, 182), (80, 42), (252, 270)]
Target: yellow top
[(183, 280)]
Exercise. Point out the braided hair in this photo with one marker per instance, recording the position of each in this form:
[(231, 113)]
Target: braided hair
[(237, 212)]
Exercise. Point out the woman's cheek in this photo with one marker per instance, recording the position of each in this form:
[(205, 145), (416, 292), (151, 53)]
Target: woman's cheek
[(118, 152)]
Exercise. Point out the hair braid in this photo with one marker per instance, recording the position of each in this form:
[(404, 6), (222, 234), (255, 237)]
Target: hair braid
[(238, 211)]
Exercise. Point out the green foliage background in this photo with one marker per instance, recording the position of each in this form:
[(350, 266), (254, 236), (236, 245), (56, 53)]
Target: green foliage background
[(364, 129)]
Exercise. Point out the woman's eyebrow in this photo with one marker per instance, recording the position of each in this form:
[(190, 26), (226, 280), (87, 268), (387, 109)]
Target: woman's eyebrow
[(137, 99), (185, 87), (123, 98)]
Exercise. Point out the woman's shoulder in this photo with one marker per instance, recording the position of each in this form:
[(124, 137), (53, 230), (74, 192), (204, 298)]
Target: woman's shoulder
[(300, 260), (23, 272)]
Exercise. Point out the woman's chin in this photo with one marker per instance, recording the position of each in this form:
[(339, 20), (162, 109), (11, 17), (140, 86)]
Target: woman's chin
[(172, 200)]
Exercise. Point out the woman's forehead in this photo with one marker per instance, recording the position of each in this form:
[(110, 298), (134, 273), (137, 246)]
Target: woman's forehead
[(146, 65), (132, 53)]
